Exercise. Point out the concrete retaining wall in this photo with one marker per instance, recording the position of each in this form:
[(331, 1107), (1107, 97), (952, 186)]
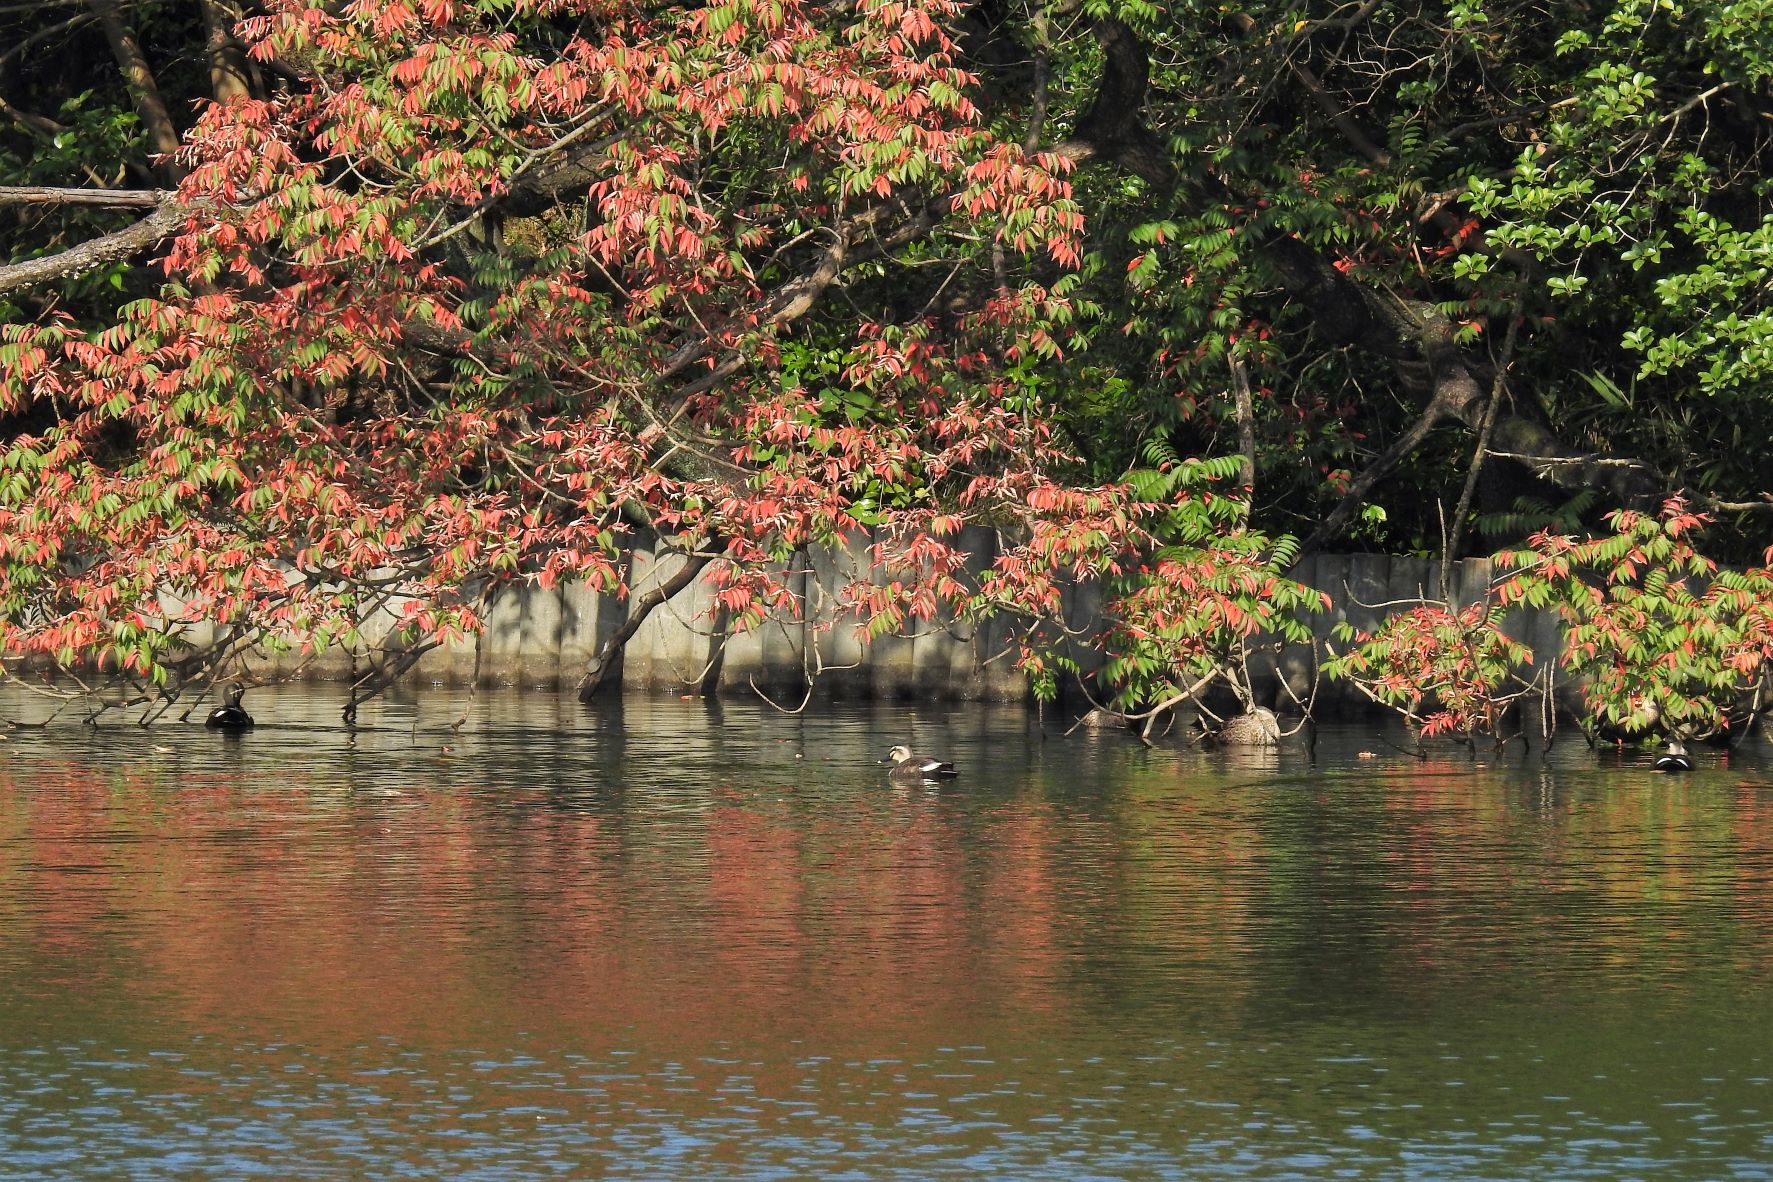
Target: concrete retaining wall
[(543, 638)]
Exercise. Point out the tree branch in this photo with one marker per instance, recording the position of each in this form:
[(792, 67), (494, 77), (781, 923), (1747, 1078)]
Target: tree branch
[(227, 63), (89, 256), (21, 46), (1111, 129), (639, 609), (1337, 114), (1349, 314), (163, 137), (43, 128), (854, 242), (1498, 388), (107, 198), (1338, 518), (1246, 429)]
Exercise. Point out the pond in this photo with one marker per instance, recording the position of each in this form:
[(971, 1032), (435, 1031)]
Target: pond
[(659, 939)]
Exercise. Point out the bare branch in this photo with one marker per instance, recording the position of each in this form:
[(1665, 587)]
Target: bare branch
[(1332, 525), (43, 128), (1246, 429), (853, 242), (1341, 23), (531, 178), (639, 609), (89, 256), (1498, 388), (24, 44), (107, 198)]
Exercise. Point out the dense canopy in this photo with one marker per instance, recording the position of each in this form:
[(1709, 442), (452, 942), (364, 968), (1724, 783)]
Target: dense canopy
[(314, 308)]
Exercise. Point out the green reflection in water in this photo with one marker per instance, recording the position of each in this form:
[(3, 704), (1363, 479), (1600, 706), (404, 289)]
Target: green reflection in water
[(654, 940)]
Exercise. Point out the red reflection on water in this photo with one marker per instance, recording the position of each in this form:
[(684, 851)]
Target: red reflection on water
[(149, 895), (343, 918)]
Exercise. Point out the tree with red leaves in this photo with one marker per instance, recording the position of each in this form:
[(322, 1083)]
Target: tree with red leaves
[(449, 296), (393, 367)]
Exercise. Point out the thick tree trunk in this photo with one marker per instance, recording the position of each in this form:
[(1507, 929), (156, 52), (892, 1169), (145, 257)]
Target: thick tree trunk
[(163, 137), (1111, 130), (228, 74)]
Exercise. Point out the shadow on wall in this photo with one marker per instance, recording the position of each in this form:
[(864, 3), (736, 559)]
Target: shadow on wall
[(546, 638)]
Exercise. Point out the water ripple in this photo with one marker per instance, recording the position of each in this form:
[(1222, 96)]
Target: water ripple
[(658, 940)]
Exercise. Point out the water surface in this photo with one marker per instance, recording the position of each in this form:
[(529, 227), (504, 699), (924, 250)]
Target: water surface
[(651, 939)]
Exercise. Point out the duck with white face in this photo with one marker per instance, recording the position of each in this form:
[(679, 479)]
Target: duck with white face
[(1674, 759), (912, 768)]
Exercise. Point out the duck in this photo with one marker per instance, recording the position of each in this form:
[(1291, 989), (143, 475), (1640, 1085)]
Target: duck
[(1639, 723), (916, 768), (229, 716), (1257, 728), (1674, 759)]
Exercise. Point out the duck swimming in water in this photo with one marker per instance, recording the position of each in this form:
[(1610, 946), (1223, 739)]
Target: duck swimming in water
[(1674, 759), (916, 768), (229, 716)]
